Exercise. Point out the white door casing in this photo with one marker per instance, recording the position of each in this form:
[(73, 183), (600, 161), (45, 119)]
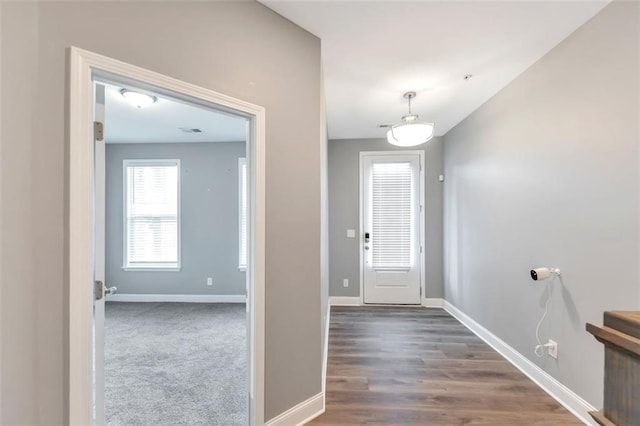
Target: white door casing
[(99, 266), (391, 227), (80, 396)]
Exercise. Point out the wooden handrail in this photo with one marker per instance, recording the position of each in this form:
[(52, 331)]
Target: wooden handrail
[(611, 336)]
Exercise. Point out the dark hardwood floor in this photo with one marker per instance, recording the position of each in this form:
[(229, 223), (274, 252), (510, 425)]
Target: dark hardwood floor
[(420, 366)]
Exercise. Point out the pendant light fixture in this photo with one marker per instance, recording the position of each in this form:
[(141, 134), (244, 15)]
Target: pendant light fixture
[(410, 132)]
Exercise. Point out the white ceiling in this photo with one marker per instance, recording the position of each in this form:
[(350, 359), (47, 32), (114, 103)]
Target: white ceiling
[(161, 122), (374, 51)]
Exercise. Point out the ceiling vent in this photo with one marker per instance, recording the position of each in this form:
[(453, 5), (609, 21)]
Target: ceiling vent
[(189, 130)]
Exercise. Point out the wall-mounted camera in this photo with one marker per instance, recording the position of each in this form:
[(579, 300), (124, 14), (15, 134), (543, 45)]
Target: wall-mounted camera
[(543, 273)]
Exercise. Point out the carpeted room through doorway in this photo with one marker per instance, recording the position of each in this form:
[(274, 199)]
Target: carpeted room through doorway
[(175, 364)]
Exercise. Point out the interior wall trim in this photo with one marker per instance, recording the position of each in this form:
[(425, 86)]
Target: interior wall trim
[(325, 355), (345, 301), (433, 302), (301, 413), (185, 298), (565, 396)]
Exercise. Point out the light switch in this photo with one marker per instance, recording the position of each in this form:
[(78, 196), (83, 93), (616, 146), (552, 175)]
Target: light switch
[(441, 178), (351, 233)]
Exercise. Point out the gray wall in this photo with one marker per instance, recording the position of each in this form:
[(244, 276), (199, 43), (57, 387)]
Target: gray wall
[(241, 49), (208, 216), (344, 213), (546, 174)]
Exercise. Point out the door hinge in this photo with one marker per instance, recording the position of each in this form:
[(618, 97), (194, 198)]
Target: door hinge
[(98, 290), (98, 130)]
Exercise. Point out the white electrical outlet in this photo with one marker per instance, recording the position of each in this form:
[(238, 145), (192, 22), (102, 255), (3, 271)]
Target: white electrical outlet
[(553, 349), (209, 281), (351, 233), (345, 282)]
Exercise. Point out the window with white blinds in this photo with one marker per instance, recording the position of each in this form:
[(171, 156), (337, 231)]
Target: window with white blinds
[(242, 212), (152, 210), (391, 212)]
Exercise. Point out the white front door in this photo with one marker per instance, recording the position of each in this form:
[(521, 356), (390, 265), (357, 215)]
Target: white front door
[(391, 243)]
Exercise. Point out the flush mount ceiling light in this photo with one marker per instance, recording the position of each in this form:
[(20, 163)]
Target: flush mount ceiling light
[(410, 132), (137, 99)]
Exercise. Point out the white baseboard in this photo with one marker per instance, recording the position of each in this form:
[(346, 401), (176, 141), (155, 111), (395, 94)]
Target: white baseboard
[(565, 396), (189, 298), (325, 355), (345, 301), (433, 303), (301, 413), (356, 301)]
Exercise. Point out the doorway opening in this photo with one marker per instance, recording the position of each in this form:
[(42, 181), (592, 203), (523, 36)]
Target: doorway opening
[(148, 240), (392, 227), (174, 262)]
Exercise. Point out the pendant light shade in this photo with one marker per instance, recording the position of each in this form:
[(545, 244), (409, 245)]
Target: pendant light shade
[(410, 132)]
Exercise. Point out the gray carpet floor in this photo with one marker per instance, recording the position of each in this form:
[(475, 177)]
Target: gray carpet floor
[(175, 364)]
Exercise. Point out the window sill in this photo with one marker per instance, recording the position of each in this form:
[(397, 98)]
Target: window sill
[(151, 268)]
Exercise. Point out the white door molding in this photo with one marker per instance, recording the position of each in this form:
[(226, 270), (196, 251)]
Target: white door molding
[(83, 67)]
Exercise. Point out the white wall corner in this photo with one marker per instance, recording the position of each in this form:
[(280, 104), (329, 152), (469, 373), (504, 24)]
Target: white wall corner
[(184, 298), (301, 414), (433, 302), (345, 301), (565, 396)]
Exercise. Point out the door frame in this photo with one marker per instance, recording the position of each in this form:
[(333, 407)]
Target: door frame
[(421, 221), (83, 66)]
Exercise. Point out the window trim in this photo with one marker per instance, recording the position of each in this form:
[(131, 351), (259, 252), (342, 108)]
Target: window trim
[(242, 162), (150, 266)]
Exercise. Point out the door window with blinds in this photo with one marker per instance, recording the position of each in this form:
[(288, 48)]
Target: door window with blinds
[(391, 215), (152, 214)]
